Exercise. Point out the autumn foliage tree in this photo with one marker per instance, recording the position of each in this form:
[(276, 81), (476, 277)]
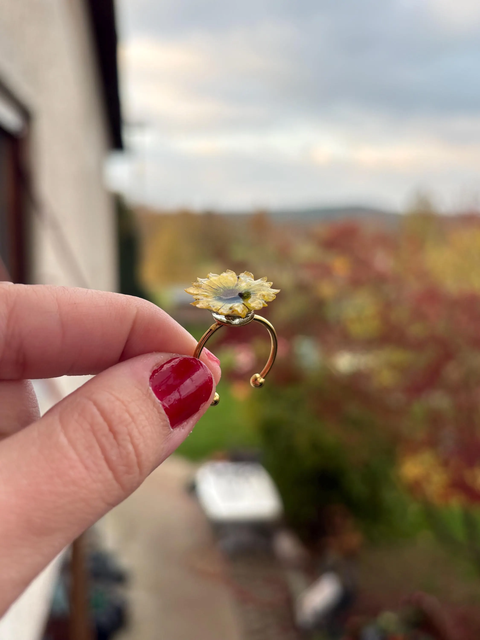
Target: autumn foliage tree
[(394, 316), (377, 383)]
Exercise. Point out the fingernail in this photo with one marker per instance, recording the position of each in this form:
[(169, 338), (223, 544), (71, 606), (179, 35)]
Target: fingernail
[(211, 356), (182, 385)]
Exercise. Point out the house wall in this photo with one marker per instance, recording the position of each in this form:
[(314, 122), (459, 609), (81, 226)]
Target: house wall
[(48, 62)]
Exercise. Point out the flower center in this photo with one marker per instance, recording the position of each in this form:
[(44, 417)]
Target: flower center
[(234, 296)]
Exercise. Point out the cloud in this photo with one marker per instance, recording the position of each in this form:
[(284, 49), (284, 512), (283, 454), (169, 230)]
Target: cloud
[(188, 84), (315, 100), (456, 17)]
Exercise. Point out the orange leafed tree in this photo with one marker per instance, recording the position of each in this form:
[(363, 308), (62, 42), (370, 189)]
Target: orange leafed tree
[(395, 315)]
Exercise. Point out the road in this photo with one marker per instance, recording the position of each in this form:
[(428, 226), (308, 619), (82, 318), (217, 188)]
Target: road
[(177, 589)]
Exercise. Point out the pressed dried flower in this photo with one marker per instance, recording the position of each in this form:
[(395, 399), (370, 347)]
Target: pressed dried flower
[(231, 295)]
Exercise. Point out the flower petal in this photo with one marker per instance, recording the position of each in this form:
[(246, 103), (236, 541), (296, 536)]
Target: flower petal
[(222, 293)]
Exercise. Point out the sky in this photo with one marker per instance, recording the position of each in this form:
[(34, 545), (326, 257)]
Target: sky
[(237, 105)]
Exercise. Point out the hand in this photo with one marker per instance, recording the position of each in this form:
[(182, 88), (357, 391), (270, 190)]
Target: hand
[(62, 472)]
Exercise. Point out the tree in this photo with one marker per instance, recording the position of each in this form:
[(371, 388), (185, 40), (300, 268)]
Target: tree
[(396, 319)]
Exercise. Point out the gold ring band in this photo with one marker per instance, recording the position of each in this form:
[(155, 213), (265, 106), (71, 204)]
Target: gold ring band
[(258, 379)]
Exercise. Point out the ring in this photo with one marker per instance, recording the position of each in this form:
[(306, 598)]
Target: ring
[(233, 301)]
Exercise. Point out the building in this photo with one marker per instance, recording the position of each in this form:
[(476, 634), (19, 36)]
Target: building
[(59, 119)]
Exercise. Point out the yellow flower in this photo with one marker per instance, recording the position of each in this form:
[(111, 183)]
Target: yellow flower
[(232, 295)]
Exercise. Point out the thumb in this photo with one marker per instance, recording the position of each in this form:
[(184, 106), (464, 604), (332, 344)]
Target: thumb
[(88, 453)]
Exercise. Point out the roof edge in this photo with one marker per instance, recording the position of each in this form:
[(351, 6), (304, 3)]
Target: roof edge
[(104, 29)]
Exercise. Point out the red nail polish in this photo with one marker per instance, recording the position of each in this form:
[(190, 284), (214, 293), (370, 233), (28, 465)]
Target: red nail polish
[(182, 385), (211, 356)]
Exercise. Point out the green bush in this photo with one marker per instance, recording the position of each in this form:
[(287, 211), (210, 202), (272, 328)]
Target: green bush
[(317, 463)]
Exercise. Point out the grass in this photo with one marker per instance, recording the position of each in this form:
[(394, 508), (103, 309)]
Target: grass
[(222, 428)]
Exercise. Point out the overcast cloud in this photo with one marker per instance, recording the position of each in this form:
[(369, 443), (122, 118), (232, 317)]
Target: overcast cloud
[(301, 102)]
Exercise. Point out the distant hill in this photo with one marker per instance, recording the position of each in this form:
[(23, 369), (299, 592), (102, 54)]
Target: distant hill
[(314, 215), (307, 216)]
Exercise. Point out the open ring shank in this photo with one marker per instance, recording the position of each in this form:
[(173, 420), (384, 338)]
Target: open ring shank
[(257, 379)]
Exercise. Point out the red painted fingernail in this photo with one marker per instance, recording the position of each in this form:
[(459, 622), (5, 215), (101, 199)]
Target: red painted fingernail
[(182, 385), (211, 356)]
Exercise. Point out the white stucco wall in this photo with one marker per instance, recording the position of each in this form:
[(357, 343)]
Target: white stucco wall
[(48, 62), (47, 59)]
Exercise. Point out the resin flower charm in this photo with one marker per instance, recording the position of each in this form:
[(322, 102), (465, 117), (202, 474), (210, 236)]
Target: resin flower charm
[(233, 301), (230, 295)]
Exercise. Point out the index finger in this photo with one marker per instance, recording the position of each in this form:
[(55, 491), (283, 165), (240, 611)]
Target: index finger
[(48, 331)]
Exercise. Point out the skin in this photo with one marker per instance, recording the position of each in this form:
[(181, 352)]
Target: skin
[(62, 472)]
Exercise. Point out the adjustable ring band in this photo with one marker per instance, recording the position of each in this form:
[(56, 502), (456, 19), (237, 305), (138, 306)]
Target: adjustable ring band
[(233, 300), (258, 379)]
